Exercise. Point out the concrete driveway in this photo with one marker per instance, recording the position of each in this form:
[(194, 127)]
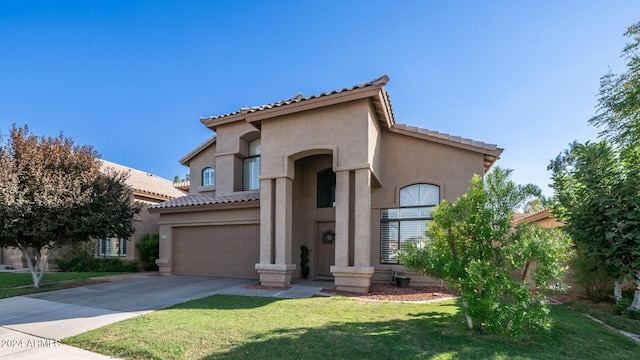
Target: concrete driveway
[(31, 326)]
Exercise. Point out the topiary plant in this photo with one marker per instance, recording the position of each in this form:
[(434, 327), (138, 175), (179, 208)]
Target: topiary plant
[(304, 261)]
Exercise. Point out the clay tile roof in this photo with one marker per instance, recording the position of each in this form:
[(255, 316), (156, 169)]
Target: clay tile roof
[(381, 81), (443, 136), (208, 199), (145, 182)]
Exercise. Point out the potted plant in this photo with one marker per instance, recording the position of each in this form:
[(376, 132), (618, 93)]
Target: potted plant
[(401, 279), (304, 261)]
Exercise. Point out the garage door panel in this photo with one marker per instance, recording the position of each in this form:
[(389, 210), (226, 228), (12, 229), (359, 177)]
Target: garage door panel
[(221, 250)]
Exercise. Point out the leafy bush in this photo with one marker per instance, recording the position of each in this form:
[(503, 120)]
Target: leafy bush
[(81, 258), (149, 251), (595, 283)]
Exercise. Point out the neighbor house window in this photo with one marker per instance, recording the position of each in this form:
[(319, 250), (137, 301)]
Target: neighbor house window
[(251, 167), (409, 222), (208, 176), (113, 247), (326, 188)]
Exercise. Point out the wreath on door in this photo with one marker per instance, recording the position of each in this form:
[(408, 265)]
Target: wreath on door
[(328, 237)]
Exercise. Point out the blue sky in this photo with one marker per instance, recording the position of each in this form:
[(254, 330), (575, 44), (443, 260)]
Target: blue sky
[(132, 78)]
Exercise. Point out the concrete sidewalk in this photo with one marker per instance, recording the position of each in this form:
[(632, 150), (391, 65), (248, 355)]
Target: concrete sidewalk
[(31, 326)]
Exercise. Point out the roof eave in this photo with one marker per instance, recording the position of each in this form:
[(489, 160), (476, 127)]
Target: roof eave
[(491, 152), (187, 158), (313, 103)]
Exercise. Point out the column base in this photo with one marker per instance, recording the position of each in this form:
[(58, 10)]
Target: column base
[(163, 266), (356, 279), (276, 275)]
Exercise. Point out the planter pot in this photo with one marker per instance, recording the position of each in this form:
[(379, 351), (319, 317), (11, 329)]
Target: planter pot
[(403, 282)]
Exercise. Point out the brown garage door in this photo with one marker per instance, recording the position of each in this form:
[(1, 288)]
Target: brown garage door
[(221, 250)]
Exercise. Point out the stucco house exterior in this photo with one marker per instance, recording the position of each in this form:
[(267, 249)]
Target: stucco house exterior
[(333, 172), (148, 189)]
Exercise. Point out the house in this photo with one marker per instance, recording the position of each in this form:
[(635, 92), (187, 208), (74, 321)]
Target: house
[(333, 172), (542, 218), (148, 189)]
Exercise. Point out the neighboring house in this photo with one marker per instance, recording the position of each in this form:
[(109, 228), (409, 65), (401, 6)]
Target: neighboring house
[(542, 218), (148, 189), (333, 171)]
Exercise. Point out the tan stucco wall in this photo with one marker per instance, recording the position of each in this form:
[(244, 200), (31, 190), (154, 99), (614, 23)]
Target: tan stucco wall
[(206, 158), (344, 130), (407, 160)]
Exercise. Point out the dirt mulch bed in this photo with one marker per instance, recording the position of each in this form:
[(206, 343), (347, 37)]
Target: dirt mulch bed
[(262, 287), (388, 292)]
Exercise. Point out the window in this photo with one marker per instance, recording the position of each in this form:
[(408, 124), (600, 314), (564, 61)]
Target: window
[(326, 188), (409, 222), (113, 247), (251, 167), (208, 176)]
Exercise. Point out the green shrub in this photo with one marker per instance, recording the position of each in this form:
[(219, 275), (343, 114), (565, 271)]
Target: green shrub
[(149, 251), (596, 284), (81, 258)]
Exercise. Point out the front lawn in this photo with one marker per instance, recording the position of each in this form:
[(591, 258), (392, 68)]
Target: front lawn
[(237, 327), (16, 284)]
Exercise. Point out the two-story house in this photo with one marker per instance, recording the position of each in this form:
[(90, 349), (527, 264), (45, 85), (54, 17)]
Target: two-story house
[(333, 172)]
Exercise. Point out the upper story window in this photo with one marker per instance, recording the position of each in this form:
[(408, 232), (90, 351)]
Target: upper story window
[(251, 167), (326, 188), (208, 176), (409, 222)]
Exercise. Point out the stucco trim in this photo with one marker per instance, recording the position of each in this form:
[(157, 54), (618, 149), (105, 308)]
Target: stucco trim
[(187, 158)]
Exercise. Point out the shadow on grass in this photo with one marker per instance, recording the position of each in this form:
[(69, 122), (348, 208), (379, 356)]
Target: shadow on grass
[(431, 335), (426, 335), (239, 327)]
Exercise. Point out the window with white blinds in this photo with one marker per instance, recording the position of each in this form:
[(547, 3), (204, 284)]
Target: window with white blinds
[(113, 247), (251, 167), (408, 223)]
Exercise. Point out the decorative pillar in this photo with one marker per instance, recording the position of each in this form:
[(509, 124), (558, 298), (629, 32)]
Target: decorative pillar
[(165, 249), (276, 226), (342, 219), (362, 221), (355, 278)]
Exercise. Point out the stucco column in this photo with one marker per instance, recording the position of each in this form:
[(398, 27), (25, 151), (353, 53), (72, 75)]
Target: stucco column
[(276, 222), (266, 220), (165, 248), (342, 219), (356, 278), (284, 216), (362, 221)]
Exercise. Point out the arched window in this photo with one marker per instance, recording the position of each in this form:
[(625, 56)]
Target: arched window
[(326, 188), (251, 167), (208, 176), (408, 223)]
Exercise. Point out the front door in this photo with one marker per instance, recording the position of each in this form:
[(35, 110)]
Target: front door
[(325, 245)]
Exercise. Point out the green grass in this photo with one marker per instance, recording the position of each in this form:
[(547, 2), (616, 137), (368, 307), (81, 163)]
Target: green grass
[(606, 312), (236, 327), (16, 284)]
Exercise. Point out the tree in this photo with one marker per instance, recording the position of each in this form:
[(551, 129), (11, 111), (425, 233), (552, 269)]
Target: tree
[(596, 184), (53, 194), (538, 204), (619, 98), (473, 247), (598, 193)]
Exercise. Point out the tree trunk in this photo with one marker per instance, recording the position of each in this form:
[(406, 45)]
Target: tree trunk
[(37, 269), (635, 304), (617, 290), (465, 304)]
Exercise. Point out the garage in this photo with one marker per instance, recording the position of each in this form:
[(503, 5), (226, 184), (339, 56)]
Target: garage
[(216, 250)]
